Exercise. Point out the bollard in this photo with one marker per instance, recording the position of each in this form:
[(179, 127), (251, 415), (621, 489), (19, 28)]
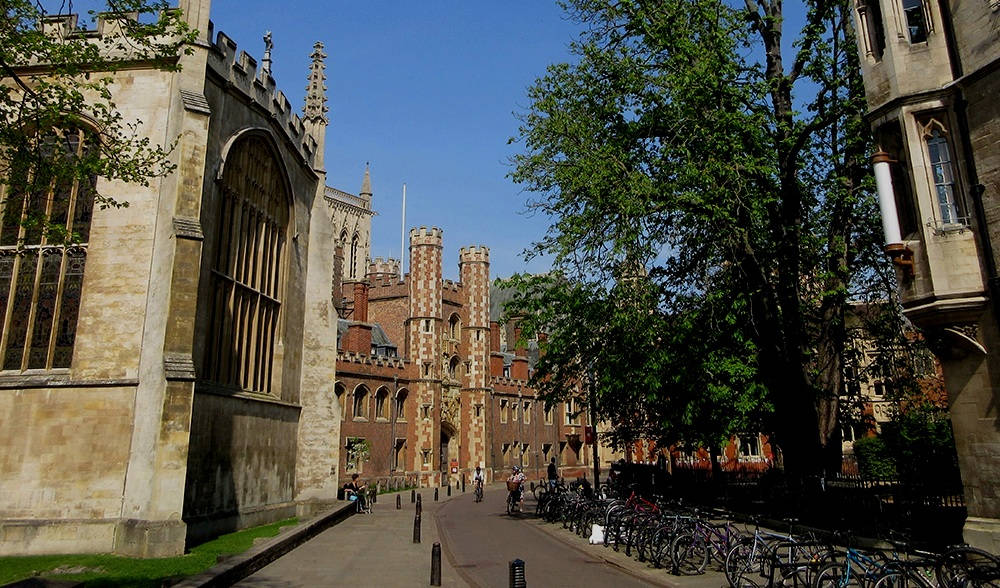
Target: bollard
[(532, 486), (413, 496), (449, 489), (436, 564), (463, 483), (399, 502), (517, 574), (416, 528), (420, 507), (435, 495)]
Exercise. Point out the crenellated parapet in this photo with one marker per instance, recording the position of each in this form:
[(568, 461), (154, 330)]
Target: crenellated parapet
[(238, 72), (383, 270), (424, 236), (108, 34), (474, 254), (352, 357)]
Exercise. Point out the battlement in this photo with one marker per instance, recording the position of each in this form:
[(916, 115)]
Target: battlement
[(451, 285), (474, 253), (107, 35), (238, 70), (425, 236), (383, 269), (386, 287), (371, 360)]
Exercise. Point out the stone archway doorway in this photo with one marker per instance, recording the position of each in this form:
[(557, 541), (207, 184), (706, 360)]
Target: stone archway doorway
[(448, 448)]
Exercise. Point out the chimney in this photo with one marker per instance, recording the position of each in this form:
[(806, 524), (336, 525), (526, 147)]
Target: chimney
[(494, 336), (519, 349), (358, 338), (519, 368), (361, 302)]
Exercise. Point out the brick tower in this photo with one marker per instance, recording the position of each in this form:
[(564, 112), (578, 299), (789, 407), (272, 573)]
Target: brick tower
[(474, 273), (424, 329)]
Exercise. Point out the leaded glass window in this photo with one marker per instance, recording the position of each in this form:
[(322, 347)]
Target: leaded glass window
[(44, 233), (943, 175), (247, 268)]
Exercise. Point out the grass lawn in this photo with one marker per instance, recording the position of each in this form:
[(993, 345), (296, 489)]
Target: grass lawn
[(111, 570)]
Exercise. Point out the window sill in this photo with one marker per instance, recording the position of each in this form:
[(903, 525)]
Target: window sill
[(360, 420)]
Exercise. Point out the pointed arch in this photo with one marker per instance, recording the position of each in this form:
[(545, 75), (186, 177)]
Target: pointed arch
[(248, 264)]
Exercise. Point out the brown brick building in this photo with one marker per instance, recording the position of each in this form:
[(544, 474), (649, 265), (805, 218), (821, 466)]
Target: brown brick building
[(427, 385)]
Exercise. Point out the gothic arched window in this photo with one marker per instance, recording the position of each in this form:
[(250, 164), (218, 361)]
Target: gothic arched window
[(248, 268), (44, 233), (354, 256)]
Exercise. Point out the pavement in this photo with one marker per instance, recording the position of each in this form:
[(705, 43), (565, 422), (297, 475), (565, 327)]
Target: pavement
[(377, 549), (374, 549)]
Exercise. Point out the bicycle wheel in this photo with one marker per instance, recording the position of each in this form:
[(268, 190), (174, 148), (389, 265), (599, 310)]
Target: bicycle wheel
[(688, 554), (968, 567), (902, 578), (837, 575), (743, 564)]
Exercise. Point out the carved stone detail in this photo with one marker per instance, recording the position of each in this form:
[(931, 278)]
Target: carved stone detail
[(188, 228), (195, 102), (178, 366)]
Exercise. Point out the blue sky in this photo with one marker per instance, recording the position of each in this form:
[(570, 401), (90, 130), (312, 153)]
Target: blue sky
[(426, 92)]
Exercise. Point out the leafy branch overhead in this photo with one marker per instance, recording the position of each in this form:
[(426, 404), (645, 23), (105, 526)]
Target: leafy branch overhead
[(711, 217), (59, 78)]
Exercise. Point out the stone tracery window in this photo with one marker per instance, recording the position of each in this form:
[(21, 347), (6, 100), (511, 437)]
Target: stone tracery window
[(354, 256), (41, 276), (248, 268), (942, 173)]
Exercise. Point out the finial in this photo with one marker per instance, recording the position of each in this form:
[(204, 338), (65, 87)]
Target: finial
[(366, 184), (316, 89), (265, 63)]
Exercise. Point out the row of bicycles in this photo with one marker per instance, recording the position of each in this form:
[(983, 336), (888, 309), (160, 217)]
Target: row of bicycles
[(686, 541)]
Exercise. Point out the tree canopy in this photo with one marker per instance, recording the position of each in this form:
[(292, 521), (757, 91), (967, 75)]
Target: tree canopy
[(55, 80), (707, 185)]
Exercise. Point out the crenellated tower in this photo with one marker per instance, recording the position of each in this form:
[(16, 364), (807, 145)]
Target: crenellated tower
[(424, 329), (474, 273)]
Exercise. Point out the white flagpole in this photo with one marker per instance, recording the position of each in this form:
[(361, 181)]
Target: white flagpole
[(402, 237)]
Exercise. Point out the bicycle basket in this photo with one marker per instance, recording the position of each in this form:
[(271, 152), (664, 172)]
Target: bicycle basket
[(513, 486)]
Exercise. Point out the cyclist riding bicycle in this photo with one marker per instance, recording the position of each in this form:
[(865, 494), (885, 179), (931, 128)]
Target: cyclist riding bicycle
[(478, 479), (516, 487)]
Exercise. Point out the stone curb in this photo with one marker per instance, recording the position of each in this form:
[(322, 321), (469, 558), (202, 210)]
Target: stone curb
[(240, 566)]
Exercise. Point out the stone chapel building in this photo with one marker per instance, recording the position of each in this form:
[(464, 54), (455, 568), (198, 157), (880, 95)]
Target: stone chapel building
[(932, 77), (185, 386)]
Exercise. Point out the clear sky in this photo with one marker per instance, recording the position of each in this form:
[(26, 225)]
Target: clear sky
[(426, 92)]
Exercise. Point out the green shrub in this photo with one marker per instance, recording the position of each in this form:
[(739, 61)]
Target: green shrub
[(874, 459)]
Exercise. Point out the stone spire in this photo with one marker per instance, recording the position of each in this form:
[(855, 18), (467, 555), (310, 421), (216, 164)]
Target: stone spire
[(366, 185), (316, 108)]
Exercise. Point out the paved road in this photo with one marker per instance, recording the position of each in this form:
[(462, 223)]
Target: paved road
[(478, 540), (481, 540)]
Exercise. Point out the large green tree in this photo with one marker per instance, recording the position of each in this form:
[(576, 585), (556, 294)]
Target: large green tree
[(55, 79), (725, 169)]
